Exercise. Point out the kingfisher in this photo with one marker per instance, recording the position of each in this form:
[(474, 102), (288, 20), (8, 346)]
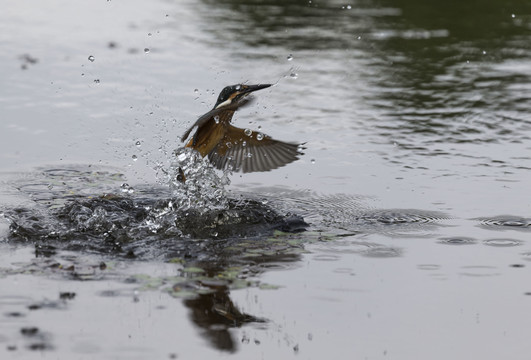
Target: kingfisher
[(231, 147)]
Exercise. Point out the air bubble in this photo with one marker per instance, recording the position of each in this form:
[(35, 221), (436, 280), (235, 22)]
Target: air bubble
[(138, 143), (91, 58), (312, 161), (134, 157), (290, 57), (216, 119), (259, 136), (248, 132), (293, 75), (146, 50), (96, 81)]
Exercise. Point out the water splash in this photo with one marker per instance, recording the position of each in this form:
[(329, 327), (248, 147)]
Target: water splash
[(194, 182)]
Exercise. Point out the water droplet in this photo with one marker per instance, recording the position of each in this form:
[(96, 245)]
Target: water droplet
[(484, 52), (513, 16), (82, 74), (293, 75), (290, 57), (312, 161), (248, 132), (259, 136), (249, 155), (146, 50), (216, 119), (149, 34), (126, 188), (359, 37), (196, 91), (134, 157), (96, 81), (138, 143), (91, 58), (349, 7), (244, 144)]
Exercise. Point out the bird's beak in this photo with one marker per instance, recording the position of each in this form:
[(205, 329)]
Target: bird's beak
[(251, 88)]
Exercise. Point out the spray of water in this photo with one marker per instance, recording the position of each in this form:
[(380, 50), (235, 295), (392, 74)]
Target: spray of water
[(194, 182)]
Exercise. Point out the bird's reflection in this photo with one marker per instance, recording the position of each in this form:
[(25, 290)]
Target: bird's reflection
[(215, 314), (212, 310)]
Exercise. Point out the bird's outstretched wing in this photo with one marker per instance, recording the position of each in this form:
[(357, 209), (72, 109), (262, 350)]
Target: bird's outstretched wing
[(247, 151)]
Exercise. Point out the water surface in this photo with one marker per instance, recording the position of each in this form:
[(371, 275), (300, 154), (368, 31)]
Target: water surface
[(401, 233)]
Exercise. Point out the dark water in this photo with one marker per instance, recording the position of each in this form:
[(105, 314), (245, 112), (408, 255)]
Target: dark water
[(401, 233)]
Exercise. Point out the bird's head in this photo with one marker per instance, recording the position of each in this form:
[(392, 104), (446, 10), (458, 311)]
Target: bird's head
[(235, 94)]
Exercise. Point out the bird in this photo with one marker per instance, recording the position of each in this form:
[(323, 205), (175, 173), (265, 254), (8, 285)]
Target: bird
[(227, 146)]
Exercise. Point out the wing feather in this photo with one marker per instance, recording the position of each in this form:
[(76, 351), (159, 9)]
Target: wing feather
[(246, 153)]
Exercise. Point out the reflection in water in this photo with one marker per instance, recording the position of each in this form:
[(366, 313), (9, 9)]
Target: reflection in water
[(217, 248), (215, 314)]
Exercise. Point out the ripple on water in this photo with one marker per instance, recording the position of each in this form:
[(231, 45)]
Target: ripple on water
[(326, 257), (502, 242), (348, 247), (479, 271), (383, 252), (428, 267), (457, 240), (402, 216), (527, 256), (506, 221), (348, 212)]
